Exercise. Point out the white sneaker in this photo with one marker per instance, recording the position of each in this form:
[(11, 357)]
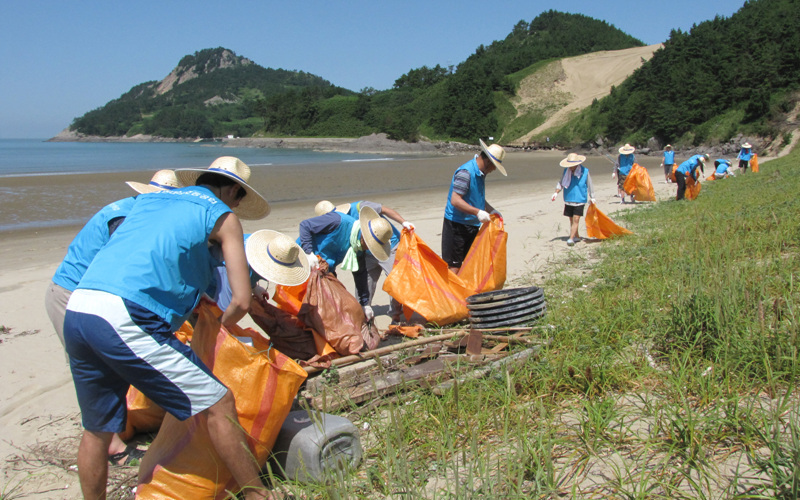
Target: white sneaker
[(570, 242)]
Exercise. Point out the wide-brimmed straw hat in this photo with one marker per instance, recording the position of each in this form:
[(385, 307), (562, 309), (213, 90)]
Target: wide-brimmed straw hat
[(377, 233), (668, 146), (325, 206), (253, 206), (277, 258), (704, 157), (496, 153), (572, 160), (163, 180), (746, 145), (626, 149)]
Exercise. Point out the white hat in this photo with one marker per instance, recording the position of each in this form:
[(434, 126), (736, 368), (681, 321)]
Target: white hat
[(668, 146), (377, 233), (572, 160), (626, 149), (496, 153), (325, 206), (163, 180), (253, 206), (276, 258), (746, 145)]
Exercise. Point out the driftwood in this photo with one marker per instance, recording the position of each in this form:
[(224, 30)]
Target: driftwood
[(513, 360)]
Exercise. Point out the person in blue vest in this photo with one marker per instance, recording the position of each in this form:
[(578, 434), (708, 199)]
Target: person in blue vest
[(467, 207), (578, 190), (745, 154), (80, 253), (338, 238), (689, 167), (722, 168), (622, 168), (668, 162), (374, 266), (139, 288)]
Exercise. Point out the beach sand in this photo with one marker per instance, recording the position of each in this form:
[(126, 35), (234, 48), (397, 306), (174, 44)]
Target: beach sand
[(37, 399)]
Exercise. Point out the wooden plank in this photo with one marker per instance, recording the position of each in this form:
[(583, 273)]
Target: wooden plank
[(474, 342)]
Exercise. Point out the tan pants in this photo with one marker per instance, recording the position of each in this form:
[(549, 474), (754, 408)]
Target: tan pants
[(55, 303)]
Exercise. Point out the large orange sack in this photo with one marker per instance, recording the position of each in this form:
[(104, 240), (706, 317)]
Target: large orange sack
[(599, 226), (422, 282), (639, 185), (484, 267), (754, 163), (181, 462), (692, 188)]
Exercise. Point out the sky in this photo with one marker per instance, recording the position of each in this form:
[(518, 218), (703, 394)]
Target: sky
[(60, 59)]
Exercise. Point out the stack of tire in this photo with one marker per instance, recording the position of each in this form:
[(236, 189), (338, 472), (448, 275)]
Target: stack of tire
[(506, 308)]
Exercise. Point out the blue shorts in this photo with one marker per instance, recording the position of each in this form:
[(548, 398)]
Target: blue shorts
[(113, 343)]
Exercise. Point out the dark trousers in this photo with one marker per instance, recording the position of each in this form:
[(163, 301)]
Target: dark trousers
[(743, 164), (680, 180)]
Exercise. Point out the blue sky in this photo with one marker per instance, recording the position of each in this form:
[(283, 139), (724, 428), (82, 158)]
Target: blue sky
[(61, 59)]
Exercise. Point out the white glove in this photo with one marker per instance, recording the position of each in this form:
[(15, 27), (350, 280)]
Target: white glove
[(553, 198), (613, 175), (313, 260), (408, 225), (483, 216), (370, 315), (497, 213), (594, 202)]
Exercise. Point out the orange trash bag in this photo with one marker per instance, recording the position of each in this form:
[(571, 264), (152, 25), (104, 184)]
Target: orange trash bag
[(754, 163), (290, 298), (422, 282), (692, 188), (484, 267), (599, 226), (672, 175), (639, 185), (181, 462)]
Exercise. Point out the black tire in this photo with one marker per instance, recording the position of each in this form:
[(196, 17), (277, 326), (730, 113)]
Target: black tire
[(479, 320), (499, 295), (512, 302), (507, 309), (513, 321)]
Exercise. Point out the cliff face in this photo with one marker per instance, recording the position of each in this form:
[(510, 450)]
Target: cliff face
[(203, 62)]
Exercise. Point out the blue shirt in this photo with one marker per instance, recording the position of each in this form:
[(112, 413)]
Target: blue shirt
[(626, 163), (669, 157), (355, 208), (689, 167), (328, 236), (722, 165), (745, 154), (160, 258), (476, 196), (88, 242)]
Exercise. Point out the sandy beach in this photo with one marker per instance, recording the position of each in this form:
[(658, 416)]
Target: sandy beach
[(37, 399)]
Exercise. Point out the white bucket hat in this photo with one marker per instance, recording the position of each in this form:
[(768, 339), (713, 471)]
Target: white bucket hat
[(626, 149), (746, 145), (163, 180), (496, 153), (276, 258), (572, 159), (377, 233), (253, 206)]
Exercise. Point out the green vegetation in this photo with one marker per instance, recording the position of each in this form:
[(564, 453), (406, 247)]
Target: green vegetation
[(726, 76), (671, 373)]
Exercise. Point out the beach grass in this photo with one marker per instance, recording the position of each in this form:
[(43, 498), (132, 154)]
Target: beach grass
[(671, 373)]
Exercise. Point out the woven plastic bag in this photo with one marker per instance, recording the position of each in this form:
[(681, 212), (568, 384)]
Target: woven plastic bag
[(286, 333), (484, 267), (290, 298), (599, 226), (422, 282), (692, 188), (639, 185), (181, 462), (754, 163)]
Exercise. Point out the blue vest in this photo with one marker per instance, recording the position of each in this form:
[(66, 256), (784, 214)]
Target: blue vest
[(722, 166), (577, 190), (476, 196), (689, 167), (88, 242), (669, 157), (159, 258), (334, 245), (745, 154), (625, 163), (355, 208)]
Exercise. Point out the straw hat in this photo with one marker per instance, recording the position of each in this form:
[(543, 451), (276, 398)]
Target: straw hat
[(163, 180), (276, 258), (496, 153), (704, 157), (747, 145), (668, 146), (626, 149), (325, 206), (253, 206), (377, 233), (572, 160)]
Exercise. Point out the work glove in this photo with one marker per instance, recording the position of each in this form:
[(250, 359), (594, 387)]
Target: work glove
[(613, 175), (495, 212), (368, 312), (594, 202), (313, 260), (483, 216), (553, 198), (408, 225)]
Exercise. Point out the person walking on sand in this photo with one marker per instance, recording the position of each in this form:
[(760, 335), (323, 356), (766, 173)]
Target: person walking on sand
[(467, 207), (338, 238), (622, 168), (374, 267), (689, 167), (668, 162), (137, 291), (722, 168), (578, 190), (89, 240), (745, 154)]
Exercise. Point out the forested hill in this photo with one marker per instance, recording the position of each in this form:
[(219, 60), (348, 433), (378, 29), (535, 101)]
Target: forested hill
[(725, 78), (209, 93)]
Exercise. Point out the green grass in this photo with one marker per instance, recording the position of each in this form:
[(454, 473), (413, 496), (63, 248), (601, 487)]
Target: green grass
[(671, 374)]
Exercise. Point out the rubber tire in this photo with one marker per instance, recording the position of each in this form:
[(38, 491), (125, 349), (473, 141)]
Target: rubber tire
[(508, 316), (514, 321), (512, 302), (507, 309), (499, 295)]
